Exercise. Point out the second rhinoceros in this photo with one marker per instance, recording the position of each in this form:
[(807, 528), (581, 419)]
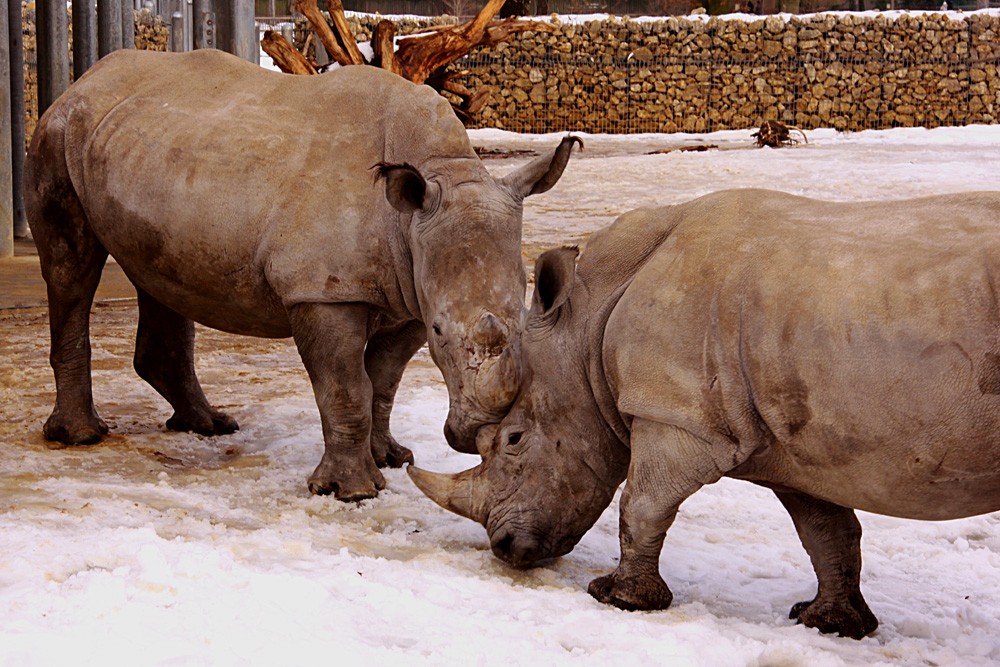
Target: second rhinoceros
[(250, 201), (844, 355)]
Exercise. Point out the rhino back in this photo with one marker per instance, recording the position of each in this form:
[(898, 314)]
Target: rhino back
[(853, 348), (217, 184)]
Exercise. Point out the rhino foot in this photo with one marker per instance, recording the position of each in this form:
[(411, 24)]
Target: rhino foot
[(349, 483), (73, 432), (848, 618), (388, 453), (641, 593), (211, 423)]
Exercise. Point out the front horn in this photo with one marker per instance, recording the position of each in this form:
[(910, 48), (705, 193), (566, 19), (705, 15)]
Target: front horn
[(452, 492), (497, 382)]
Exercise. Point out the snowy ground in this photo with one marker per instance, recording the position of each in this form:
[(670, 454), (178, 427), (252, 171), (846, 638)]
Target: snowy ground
[(165, 548)]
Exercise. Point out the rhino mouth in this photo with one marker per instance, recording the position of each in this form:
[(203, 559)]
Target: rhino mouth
[(526, 548)]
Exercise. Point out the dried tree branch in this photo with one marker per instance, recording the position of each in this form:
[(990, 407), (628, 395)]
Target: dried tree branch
[(383, 46), (326, 35), (285, 56)]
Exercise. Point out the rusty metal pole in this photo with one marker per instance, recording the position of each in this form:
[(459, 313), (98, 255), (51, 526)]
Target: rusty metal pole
[(6, 187), (204, 24), (128, 24), (16, 43), (109, 26), (84, 36), (52, 43)]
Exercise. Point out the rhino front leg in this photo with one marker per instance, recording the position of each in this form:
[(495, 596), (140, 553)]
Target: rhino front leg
[(668, 464), (385, 360), (331, 340), (164, 357), (831, 535)]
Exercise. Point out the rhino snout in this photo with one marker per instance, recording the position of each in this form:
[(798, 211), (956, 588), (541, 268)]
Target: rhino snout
[(518, 549)]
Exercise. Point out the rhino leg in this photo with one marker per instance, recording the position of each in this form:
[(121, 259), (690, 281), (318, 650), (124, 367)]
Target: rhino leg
[(164, 357), (831, 535), (72, 260), (668, 464), (385, 360), (331, 340)]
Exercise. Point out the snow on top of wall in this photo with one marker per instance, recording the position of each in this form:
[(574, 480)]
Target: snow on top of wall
[(580, 19)]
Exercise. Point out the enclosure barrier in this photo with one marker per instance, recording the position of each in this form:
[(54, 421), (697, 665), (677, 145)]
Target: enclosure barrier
[(691, 94)]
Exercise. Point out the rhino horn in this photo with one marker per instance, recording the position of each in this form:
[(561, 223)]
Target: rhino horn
[(489, 332), (497, 382), (452, 492)]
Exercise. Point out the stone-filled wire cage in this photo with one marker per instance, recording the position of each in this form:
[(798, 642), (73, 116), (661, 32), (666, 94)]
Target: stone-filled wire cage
[(826, 70), (690, 94)]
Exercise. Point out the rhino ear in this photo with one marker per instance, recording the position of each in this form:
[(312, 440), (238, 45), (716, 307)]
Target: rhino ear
[(405, 188), (541, 174), (554, 273)]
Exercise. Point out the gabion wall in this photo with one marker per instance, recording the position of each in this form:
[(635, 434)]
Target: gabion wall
[(844, 71), (698, 74)]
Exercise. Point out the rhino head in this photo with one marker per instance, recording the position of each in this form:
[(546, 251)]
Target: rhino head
[(552, 466), (469, 278)]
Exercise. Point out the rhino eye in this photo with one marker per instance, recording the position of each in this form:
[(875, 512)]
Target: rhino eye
[(436, 329), (513, 438)]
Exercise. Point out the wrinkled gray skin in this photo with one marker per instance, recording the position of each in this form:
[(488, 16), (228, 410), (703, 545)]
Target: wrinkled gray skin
[(846, 356), (251, 202)]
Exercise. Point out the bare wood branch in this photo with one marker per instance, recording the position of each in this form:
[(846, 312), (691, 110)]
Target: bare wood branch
[(344, 34), (285, 56), (474, 104), (383, 47), (311, 11)]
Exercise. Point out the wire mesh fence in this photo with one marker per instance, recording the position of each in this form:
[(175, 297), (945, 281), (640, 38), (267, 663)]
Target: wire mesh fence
[(692, 94)]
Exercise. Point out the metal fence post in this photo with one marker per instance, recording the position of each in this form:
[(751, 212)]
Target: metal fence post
[(128, 24), (204, 24), (244, 31), (6, 188), (177, 32), (188, 25), (16, 43), (53, 51), (84, 32), (109, 26)]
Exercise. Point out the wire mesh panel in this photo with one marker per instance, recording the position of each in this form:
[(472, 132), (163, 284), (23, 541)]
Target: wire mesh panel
[(693, 94)]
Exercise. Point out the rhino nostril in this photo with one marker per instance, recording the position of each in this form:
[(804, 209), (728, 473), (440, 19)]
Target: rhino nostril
[(516, 550), (501, 545)]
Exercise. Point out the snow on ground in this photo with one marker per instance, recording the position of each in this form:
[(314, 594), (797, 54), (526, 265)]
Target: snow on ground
[(166, 548)]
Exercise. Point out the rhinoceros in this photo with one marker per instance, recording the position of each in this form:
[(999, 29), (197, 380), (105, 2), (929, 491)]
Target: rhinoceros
[(844, 355), (250, 201)]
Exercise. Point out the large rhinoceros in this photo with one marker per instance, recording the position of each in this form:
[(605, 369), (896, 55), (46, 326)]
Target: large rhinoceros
[(844, 355), (249, 201)]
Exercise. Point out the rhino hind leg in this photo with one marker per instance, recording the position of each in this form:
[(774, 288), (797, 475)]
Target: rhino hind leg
[(72, 260), (164, 357), (668, 464), (831, 535), (386, 356)]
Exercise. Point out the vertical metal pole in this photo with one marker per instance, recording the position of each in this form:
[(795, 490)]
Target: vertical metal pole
[(244, 30), (109, 26), (16, 42), (6, 187), (128, 24), (188, 25), (177, 32), (52, 43), (84, 36), (204, 24)]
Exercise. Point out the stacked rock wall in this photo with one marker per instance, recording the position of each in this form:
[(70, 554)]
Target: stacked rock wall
[(846, 71), (850, 71)]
